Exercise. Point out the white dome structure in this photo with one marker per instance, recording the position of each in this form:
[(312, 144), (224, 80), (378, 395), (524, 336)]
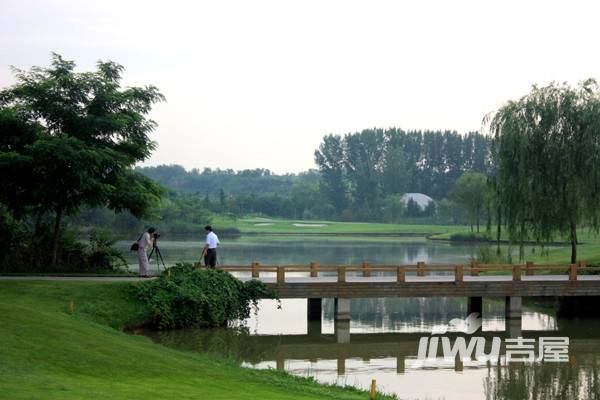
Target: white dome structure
[(421, 199)]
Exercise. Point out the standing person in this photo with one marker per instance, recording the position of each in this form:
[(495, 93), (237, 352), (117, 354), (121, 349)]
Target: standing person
[(210, 248), (145, 241)]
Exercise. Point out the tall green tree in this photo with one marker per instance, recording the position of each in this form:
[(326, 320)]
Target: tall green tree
[(547, 151), (330, 160), (470, 194), (71, 139)]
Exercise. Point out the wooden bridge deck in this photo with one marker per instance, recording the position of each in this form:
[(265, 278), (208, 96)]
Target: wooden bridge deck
[(440, 280)]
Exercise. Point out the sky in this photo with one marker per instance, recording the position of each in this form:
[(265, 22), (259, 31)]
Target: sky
[(257, 84)]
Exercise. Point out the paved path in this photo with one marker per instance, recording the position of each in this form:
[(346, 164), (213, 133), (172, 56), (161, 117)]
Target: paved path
[(324, 279), (72, 278)]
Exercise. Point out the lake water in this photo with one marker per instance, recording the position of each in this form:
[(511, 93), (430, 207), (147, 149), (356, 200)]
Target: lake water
[(385, 333), (273, 250)]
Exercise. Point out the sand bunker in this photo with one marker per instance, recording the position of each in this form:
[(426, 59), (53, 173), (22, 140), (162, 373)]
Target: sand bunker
[(309, 225), (264, 224)]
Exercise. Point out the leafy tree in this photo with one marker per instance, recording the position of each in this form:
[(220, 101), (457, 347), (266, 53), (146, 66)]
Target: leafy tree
[(394, 176), (71, 139), (393, 208), (469, 193), (330, 160), (412, 208), (548, 161), (364, 162), (222, 199)]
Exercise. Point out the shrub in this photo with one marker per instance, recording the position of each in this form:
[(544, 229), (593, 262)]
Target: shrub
[(27, 249), (470, 237), (185, 296)]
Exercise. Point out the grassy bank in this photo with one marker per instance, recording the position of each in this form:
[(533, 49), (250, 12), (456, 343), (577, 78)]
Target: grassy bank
[(47, 352), (286, 226)]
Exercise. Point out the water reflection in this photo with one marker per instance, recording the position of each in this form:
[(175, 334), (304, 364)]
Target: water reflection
[(382, 343)]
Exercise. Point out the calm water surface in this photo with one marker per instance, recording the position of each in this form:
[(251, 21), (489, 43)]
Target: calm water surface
[(384, 333), (304, 249)]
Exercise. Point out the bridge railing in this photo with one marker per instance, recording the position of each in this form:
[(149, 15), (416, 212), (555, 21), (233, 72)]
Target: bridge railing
[(420, 269)]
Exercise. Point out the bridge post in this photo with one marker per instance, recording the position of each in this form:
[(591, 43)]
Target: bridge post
[(516, 273), (365, 270), (280, 363), (458, 364), (474, 268), (313, 269), (342, 309), (400, 364), (341, 366), (255, 271), (475, 304), (420, 268), (342, 331), (401, 274), (529, 268), (280, 275), (513, 327), (513, 307), (342, 320), (458, 273), (573, 272)]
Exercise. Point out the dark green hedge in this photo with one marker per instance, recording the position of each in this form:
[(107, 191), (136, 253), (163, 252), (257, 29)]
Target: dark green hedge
[(185, 296)]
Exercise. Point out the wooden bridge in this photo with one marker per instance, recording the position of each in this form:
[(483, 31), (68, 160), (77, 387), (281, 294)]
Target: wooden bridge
[(473, 281), (424, 280)]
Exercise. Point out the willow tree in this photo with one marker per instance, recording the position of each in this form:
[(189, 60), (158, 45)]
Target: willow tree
[(547, 151)]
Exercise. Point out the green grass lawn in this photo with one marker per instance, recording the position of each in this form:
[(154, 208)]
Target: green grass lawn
[(286, 226), (48, 353)]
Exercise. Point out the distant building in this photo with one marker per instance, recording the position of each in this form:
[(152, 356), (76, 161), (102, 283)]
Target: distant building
[(421, 199)]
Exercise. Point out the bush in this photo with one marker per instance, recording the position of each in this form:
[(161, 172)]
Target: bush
[(27, 251), (185, 296), (470, 237)]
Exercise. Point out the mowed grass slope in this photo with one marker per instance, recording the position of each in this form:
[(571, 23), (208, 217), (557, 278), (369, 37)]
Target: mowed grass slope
[(287, 226), (48, 353)]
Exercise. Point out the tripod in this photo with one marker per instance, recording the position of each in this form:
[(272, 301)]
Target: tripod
[(159, 258)]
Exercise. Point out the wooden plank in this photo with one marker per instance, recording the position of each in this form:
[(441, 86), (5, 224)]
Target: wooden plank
[(341, 275), (280, 275)]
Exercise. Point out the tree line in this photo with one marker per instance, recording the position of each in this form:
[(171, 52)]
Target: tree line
[(361, 176), (363, 172), (70, 142)]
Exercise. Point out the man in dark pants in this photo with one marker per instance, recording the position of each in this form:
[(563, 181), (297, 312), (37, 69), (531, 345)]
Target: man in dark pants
[(210, 248)]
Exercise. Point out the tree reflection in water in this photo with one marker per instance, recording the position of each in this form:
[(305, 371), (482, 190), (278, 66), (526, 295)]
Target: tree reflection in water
[(577, 379)]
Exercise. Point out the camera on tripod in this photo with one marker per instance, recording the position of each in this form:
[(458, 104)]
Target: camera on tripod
[(155, 249)]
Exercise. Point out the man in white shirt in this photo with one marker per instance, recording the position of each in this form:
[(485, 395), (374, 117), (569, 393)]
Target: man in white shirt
[(210, 248)]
